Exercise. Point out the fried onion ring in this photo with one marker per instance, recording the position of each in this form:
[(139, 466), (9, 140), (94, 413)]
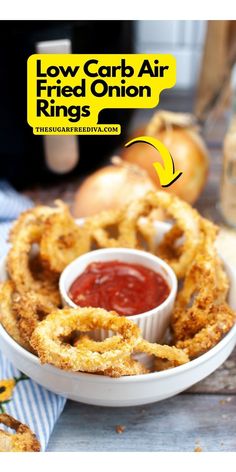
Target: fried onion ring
[(221, 321), (205, 285), (187, 221), (31, 308), (169, 248), (47, 339), (67, 239), (39, 212), (162, 351), (126, 367), (26, 232), (110, 229), (162, 364), (123, 367), (8, 316), (105, 229), (24, 440)]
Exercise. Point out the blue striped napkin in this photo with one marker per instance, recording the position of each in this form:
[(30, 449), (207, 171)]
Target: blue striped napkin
[(19, 396)]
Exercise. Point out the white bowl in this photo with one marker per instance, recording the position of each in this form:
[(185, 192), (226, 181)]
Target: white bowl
[(124, 391), (153, 323)]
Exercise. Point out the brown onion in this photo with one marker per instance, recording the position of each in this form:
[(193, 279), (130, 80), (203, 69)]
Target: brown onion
[(111, 187), (178, 133)]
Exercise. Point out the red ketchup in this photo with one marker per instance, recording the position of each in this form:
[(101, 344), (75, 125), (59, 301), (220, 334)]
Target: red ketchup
[(129, 289)]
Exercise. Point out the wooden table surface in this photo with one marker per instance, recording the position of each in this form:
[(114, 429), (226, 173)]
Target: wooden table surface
[(202, 418)]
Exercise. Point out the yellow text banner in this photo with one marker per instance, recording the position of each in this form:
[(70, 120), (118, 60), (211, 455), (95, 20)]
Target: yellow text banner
[(66, 92)]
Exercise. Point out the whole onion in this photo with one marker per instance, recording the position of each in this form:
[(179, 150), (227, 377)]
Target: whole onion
[(180, 135), (111, 187)]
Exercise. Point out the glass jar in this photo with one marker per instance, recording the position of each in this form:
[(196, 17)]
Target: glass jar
[(228, 182)]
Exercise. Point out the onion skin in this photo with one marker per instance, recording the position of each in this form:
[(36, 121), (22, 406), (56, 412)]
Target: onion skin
[(189, 154), (110, 187)]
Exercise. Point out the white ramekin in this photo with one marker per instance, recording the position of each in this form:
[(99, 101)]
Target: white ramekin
[(153, 323)]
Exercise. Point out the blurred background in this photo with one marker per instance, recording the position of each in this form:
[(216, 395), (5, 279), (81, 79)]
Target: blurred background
[(49, 167), (184, 39)]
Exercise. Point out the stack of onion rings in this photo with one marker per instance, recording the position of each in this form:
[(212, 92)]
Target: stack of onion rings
[(44, 240), (201, 315)]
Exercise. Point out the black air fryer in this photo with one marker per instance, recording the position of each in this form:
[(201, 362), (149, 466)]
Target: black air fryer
[(22, 155)]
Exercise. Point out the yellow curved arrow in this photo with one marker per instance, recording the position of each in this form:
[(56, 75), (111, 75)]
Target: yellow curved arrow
[(166, 173)]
